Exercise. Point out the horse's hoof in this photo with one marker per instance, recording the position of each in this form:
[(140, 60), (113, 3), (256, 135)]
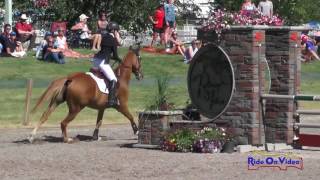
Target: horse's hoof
[(136, 133), (95, 135), (31, 139), (96, 138), (68, 140)]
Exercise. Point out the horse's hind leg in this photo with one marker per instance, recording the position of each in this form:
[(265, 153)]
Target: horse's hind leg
[(43, 119), (125, 111), (71, 115), (98, 124)]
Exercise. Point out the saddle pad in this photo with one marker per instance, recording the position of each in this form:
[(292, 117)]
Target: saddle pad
[(100, 82)]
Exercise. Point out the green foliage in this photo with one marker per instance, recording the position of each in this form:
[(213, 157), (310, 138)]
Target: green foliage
[(160, 100), (183, 139), (132, 15)]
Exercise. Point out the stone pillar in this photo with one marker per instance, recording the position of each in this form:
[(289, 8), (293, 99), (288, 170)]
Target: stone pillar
[(245, 46), (282, 54)]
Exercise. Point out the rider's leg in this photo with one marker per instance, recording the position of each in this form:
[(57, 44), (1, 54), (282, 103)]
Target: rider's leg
[(108, 72)]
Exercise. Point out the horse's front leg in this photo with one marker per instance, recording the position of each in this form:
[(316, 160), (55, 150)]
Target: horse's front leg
[(98, 124), (125, 111)]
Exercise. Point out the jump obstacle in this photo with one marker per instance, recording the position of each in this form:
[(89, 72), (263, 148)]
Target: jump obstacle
[(227, 83)]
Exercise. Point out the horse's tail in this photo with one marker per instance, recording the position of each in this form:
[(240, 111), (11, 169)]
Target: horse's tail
[(55, 93)]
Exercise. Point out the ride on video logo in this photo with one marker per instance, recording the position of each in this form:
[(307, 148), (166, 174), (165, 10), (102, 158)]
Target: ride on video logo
[(280, 160)]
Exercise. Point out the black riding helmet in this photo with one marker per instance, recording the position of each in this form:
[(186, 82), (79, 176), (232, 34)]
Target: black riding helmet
[(113, 26)]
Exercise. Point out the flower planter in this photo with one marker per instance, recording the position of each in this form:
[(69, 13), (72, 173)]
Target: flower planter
[(154, 125), (169, 146)]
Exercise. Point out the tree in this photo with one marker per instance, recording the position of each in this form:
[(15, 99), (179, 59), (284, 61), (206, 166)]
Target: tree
[(131, 14)]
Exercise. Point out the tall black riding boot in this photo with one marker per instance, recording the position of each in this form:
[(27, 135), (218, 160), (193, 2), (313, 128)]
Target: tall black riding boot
[(112, 99)]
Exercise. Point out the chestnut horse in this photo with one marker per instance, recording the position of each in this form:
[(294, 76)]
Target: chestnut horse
[(79, 90)]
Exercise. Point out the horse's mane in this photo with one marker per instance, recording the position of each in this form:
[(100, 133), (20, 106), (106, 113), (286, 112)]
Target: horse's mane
[(136, 52), (117, 69)]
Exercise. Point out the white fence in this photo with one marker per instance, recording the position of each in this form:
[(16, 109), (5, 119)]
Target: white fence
[(186, 33)]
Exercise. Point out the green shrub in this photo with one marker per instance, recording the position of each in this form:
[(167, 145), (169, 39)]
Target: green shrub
[(160, 100), (183, 139)]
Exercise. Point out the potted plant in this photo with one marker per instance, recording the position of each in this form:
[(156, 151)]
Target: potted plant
[(160, 100), (154, 121), (206, 140)]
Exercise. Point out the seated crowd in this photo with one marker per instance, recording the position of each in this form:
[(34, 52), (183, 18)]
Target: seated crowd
[(10, 45), (54, 46), (309, 48), (176, 46)]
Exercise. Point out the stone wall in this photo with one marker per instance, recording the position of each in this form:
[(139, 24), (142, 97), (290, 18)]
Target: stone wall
[(244, 46), (282, 52), (247, 47)]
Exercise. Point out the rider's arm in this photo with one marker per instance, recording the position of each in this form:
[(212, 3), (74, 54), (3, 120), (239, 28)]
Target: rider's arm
[(115, 54), (118, 39)]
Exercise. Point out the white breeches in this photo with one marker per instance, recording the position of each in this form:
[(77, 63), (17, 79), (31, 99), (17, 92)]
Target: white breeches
[(105, 68)]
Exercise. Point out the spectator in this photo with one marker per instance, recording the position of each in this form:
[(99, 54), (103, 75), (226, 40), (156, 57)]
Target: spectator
[(170, 19), (317, 39), (5, 36), (102, 23), (157, 21), (13, 47), (43, 43), (191, 51), (85, 32), (52, 53), (247, 7), (309, 49), (6, 33), (61, 43), (1, 47), (266, 8), (25, 31), (175, 45)]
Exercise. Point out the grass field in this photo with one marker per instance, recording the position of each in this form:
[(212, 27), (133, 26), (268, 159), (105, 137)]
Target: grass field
[(15, 72)]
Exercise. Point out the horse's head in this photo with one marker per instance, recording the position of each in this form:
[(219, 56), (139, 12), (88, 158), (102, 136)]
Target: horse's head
[(136, 65)]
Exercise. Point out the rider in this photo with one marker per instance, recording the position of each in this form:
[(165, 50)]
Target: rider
[(109, 44)]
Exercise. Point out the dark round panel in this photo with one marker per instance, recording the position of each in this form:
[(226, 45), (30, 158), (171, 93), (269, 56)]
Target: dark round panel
[(211, 81)]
